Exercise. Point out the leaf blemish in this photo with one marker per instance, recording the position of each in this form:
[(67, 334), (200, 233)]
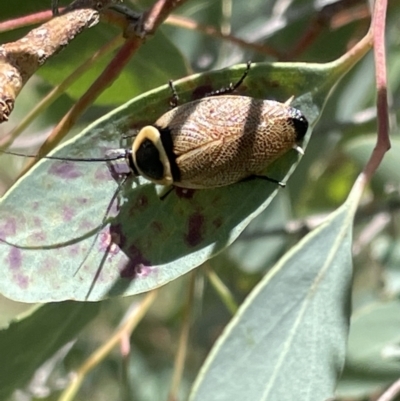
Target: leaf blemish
[(39, 237), (102, 174), (217, 223), (74, 250), (110, 242), (138, 265), (82, 201), (15, 258), (194, 234), (65, 170), (37, 222), (141, 203), (157, 227), (22, 281), (8, 228), (68, 213), (185, 193)]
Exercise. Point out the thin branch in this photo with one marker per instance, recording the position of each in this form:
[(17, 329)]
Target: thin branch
[(221, 289), (325, 16), (156, 14), (148, 23), (180, 357), (58, 90), (19, 60), (392, 392), (135, 315), (383, 140), (26, 20), (187, 23)]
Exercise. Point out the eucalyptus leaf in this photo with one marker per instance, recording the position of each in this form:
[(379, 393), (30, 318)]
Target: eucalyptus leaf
[(66, 234), (289, 336), (360, 149), (31, 339), (372, 361)]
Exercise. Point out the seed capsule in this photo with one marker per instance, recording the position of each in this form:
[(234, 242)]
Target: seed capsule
[(216, 141)]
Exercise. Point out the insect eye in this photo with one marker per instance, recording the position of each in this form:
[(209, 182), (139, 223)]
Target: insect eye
[(148, 160)]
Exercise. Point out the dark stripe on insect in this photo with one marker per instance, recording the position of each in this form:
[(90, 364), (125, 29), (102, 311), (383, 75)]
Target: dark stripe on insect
[(166, 139)]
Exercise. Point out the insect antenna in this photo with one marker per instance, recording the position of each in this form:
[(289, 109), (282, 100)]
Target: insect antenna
[(122, 154), (231, 87)]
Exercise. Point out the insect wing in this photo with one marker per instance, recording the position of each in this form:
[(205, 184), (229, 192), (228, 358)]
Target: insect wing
[(222, 140)]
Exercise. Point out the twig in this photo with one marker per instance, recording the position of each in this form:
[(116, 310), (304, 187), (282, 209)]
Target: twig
[(383, 140), (20, 59), (57, 91), (391, 392), (156, 14), (148, 23), (132, 320), (323, 18), (180, 357), (26, 20), (187, 23)]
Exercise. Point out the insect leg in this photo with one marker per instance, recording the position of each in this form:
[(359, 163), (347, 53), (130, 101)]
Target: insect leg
[(232, 87), (54, 8), (265, 178), (167, 192), (175, 98)]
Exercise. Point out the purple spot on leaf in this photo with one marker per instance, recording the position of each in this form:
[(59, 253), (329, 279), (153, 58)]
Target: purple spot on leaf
[(85, 225), (217, 223), (138, 265), (39, 236), (102, 174), (110, 242), (37, 222), (156, 226), (66, 170), (68, 213), (74, 250), (194, 235), (48, 264), (143, 270), (8, 228), (21, 280), (15, 262), (35, 205), (82, 201), (140, 203), (15, 258), (185, 192)]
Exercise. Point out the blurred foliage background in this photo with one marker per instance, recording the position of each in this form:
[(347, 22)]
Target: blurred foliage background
[(295, 30)]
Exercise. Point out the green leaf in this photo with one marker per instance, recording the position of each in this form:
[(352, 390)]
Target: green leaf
[(289, 336), (373, 360), (52, 245), (28, 342), (360, 150), (148, 69), (255, 250)]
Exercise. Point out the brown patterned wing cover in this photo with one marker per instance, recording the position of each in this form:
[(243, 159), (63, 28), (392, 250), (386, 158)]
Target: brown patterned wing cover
[(222, 140)]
